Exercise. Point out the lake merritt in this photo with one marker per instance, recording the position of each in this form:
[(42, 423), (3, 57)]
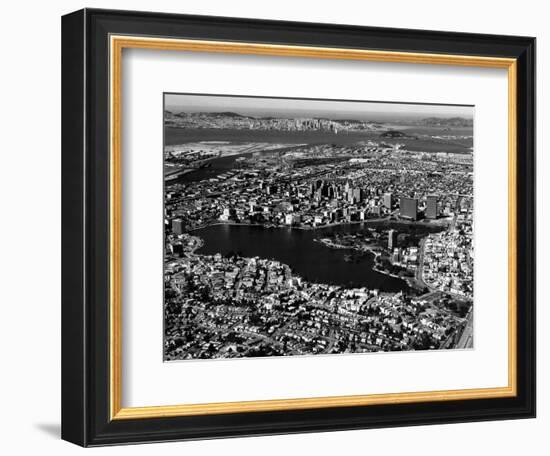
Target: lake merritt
[(297, 248)]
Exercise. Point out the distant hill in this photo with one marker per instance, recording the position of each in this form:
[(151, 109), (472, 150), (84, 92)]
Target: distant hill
[(227, 114), (447, 122)]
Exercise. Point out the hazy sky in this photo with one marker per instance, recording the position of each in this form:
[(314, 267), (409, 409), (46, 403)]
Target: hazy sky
[(284, 107)]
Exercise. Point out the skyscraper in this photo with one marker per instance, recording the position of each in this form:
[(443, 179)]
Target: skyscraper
[(432, 211), (392, 240), (177, 226), (388, 200), (357, 195), (408, 208)]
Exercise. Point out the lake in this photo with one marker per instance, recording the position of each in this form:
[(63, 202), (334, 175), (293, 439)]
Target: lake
[(295, 247)]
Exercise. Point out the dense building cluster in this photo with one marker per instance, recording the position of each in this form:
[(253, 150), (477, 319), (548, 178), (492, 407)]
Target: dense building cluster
[(448, 258), (323, 185), (233, 306), (220, 307)]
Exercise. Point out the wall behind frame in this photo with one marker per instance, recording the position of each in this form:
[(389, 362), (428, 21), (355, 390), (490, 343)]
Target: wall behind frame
[(30, 232)]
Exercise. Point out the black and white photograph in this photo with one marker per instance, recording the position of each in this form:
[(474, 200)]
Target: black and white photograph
[(316, 227)]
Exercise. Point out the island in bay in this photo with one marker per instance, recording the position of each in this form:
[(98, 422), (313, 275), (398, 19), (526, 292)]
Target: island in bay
[(304, 227)]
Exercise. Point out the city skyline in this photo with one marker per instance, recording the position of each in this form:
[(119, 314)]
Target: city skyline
[(312, 108)]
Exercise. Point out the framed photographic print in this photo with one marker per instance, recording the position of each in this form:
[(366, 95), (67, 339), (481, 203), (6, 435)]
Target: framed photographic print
[(277, 227)]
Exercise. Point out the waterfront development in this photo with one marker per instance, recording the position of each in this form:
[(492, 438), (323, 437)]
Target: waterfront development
[(308, 235)]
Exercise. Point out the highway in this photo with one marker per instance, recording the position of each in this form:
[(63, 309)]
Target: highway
[(467, 338)]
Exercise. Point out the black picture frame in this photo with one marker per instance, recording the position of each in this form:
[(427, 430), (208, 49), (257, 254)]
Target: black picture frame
[(85, 228)]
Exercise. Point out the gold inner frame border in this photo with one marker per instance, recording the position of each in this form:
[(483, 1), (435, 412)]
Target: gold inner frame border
[(116, 46)]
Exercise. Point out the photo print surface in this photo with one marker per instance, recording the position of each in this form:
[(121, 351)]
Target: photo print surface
[(309, 227)]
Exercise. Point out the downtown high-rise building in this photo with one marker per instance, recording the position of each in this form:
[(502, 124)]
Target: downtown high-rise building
[(408, 208), (432, 210), (357, 195), (392, 240), (388, 200), (177, 226)]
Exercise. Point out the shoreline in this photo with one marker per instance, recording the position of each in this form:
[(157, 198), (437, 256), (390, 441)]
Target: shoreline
[(370, 249), (411, 282), (313, 228)]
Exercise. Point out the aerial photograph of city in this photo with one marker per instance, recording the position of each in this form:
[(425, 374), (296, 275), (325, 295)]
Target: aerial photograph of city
[(309, 227)]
